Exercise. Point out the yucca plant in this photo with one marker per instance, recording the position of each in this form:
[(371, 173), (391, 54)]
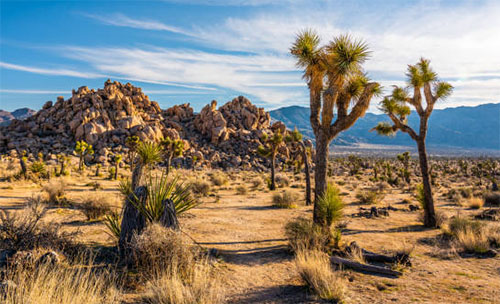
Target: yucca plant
[(148, 153), (330, 206), (160, 189), (113, 222)]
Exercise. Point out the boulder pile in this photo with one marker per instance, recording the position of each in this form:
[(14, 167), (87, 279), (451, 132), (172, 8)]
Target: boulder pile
[(219, 137)]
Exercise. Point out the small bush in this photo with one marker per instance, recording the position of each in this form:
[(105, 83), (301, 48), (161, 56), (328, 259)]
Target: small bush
[(315, 269), (55, 191), (286, 199), (492, 199), (94, 206), (257, 182), (199, 187), (241, 190), (475, 203), (330, 205), (370, 197), (303, 234), (218, 178), (282, 181)]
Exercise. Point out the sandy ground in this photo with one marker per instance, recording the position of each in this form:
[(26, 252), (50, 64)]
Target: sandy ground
[(257, 265)]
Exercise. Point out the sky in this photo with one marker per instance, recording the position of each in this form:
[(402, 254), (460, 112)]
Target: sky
[(196, 51)]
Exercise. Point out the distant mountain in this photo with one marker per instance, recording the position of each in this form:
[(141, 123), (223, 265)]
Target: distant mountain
[(462, 127), (21, 114)]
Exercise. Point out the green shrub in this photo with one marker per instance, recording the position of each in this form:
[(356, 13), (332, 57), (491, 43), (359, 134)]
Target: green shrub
[(199, 187), (286, 199), (370, 197), (330, 205)]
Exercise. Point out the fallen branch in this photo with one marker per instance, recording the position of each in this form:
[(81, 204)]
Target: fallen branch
[(363, 267)]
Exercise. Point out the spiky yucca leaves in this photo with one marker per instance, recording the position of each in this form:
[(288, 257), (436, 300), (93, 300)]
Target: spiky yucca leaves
[(171, 147), (82, 149), (113, 222), (160, 189), (424, 81), (149, 153), (336, 79), (269, 150)]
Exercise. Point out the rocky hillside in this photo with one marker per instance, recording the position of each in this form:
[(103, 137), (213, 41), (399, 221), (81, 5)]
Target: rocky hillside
[(464, 127), (219, 137)]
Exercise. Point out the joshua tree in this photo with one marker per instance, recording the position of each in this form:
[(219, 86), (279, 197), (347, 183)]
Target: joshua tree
[(63, 160), (335, 78), (396, 106), (132, 142), (171, 148), (148, 154), (296, 137), (22, 162), (116, 159), (269, 150), (82, 149), (404, 158)]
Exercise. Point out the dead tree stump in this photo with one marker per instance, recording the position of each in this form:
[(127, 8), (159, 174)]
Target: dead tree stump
[(133, 222)]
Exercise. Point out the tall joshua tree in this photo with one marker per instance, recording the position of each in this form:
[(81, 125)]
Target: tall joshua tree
[(148, 154), (336, 79), (269, 150), (397, 106)]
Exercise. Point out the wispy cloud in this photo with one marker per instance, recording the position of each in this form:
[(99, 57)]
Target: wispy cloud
[(118, 19), (36, 92), (48, 71)]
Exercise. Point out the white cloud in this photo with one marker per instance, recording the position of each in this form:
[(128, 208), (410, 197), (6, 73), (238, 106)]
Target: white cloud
[(33, 91), (46, 71)]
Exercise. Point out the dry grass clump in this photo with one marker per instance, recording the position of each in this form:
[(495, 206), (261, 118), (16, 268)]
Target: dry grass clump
[(199, 187), (55, 190), (370, 197), (282, 181), (200, 284), (57, 283), (218, 178), (475, 203), (472, 236), (315, 269), (303, 234), (241, 190), (94, 206), (25, 231), (286, 199), (158, 248), (177, 271), (257, 182)]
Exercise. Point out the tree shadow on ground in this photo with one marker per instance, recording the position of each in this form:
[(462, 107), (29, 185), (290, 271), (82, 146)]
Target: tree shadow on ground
[(283, 294), (258, 255)]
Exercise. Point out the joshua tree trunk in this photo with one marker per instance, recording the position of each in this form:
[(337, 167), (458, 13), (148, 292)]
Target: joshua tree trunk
[(169, 163), (80, 163), (429, 212), (116, 171), (24, 171), (273, 179), (321, 163), (97, 171), (308, 174), (137, 175), (133, 221), (63, 168)]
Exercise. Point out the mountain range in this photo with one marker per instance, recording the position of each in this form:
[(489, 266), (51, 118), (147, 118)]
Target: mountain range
[(461, 127), (20, 114)]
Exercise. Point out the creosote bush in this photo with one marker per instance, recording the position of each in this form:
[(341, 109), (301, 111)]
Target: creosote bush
[(370, 197), (315, 269), (94, 206), (218, 178), (282, 181), (199, 187), (286, 199)]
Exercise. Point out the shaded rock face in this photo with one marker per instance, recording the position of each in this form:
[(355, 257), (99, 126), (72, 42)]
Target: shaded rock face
[(223, 137)]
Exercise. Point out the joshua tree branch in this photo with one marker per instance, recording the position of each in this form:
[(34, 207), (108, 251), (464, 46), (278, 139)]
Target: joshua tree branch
[(402, 126), (315, 101), (416, 101), (330, 96)]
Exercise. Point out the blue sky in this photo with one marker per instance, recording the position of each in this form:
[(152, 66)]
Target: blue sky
[(196, 51)]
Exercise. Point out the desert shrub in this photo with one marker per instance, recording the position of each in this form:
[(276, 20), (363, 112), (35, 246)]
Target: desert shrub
[(286, 199), (55, 191), (94, 185), (315, 269), (257, 182), (48, 283), (25, 231), (282, 181), (330, 205), (218, 178), (94, 206), (465, 192), (199, 187), (468, 235), (200, 284), (241, 190), (370, 197), (492, 199), (475, 203), (158, 247), (460, 224), (302, 234)]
